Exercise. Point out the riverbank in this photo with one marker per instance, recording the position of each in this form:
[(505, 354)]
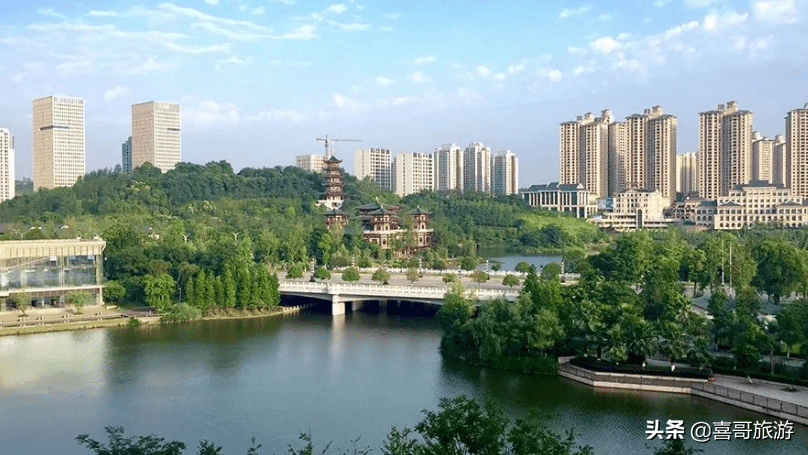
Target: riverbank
[(61, 320), (775, 399)]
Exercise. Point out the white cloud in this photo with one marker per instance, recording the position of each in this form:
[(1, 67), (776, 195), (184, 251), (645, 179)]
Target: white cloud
[(147, 66), (239, 35), (337, 8), (383, 81), (212, 2), (661, 3), (515, 68), (776, 12), (243, 7), (715, 21), (419, 78), (573, 50), (352, 27), (483, 70), (210, 112), (343, 102), (283, 2), (385, 29), (701, 3), (303, 32), (115, 92), (258, 11), (235, 61), (392, 16), (19, 77), (213, 48), (604, 44), (424, 60), (551, 74), (604, 17), (198, 15), (51, 12), (569, 12)]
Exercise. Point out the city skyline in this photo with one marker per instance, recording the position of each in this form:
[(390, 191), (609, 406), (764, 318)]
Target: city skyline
[(265, 79)]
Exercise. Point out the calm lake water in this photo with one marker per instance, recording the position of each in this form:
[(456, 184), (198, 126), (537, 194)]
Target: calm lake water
[(538, 260), (273, 378)]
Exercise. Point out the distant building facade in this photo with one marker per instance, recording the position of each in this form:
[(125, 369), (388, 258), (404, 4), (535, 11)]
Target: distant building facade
[(376, 164), (311, 163), (565, 198), (687, 172), (635, 209), (58, 142), (725, 150), (762, 158), (126, 156), (412, 172), (7, 183), (477, 168), (156, 135), (797, 151), (447, 167), (505, 173)]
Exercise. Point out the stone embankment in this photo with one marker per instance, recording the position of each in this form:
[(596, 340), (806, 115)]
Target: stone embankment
[(770, 398)]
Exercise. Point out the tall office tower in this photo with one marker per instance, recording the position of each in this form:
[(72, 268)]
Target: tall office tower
[(311, 163), (156, 134), (6, 165), (725, 150), (412, 172), (447, 165), (661, 153), (505, 173), (762, 157), (780, 173), (374, 163), (584, 147), (618, 158), (126, 156), (58, 128), (687, 165), (797, 150), (477, 168)]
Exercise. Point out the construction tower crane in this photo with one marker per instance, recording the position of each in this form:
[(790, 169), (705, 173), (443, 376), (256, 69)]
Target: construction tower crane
[(328, 142)]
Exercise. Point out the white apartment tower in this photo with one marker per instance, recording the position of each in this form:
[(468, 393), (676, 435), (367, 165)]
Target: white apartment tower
[(374, 163), (6, 165), (156, 135), (447, 166), (797, 151), (584, 147), (477, 168), (619, 158), (58, 142), (412, 172), (780, 173), (725, 150), (762, 157), (505, 173), (687, 166), (311, 163), (126, 156)]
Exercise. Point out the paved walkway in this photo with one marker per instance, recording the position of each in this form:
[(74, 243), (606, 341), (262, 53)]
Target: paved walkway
[(775, 390), (56, 314)]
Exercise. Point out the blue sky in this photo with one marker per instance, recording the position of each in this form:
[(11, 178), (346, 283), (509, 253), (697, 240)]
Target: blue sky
[(260, 80)]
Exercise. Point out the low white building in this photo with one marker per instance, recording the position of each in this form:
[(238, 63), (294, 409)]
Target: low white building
[(635, 209), (760, 202), (567, 198)]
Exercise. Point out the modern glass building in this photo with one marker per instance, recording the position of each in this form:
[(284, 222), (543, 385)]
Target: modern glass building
[(48, 270)]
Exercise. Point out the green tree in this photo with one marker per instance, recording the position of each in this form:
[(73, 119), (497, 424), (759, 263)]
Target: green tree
[(523, 267), (114, 292), (550, 271), (381, 275), (413, 275), (479, 276), (350, 274), (780, 267), (158, 290), (189, 290), (22, 300), (510, 280), (294, 271), (468, 263), (449, 278), (77, 300), (322, 273), (139, 445), (229, 288)]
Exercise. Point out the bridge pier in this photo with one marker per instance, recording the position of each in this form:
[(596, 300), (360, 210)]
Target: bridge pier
[(337, 305), (357, 305)]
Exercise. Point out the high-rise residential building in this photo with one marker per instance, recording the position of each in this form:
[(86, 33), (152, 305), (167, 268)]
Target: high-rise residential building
[(6, 165), (797, 151), (126, 156), (618, 158), (58, 142), (780, 173), (687, 166), (374, 163), (505, 173), (584, 148), (762, 158), (311, 163), (725, 150), (156, 134), (661, 154), (477, 168), (448, 168), (412, 172)]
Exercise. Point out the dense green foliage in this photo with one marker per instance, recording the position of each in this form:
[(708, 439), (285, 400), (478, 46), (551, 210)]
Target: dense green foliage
[(461, 426)]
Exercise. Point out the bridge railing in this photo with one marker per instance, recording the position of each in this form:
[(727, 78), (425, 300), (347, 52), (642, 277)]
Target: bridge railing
[(387, 290)]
